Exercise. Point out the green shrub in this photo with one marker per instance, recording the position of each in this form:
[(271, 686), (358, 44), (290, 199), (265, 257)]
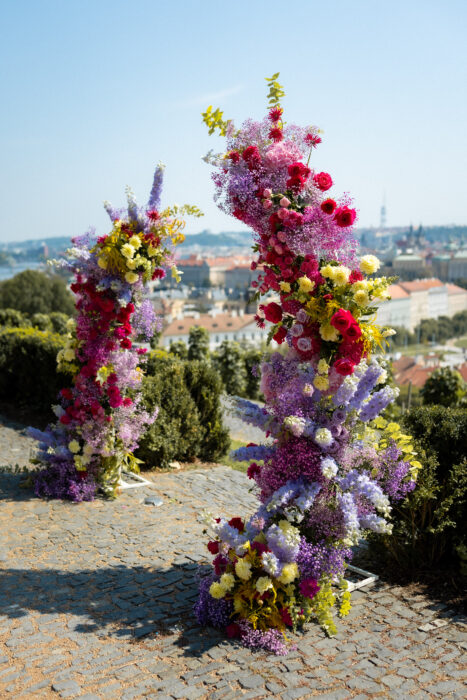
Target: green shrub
[(205, 387), (35, 292), (42, 322), (430, 524), (177, 433), (28, 368), (229, 362), (12, 318), (444, 387), (59, 321)]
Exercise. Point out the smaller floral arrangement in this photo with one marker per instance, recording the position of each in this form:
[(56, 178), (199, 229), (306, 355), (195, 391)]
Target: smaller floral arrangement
[(101, 416)]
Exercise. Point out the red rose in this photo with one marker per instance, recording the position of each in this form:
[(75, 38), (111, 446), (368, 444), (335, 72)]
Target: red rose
[(298, 170), (296, 183), (272, 312), (220, 564), (344, 366), (126, 343), (279, 337), (355, 276), (353, 332), (275, 114), (345, 216), (65, 419), (328, 297), (158, 274), (276, 134), (237, 523), (234, 156), (328, 206), (67, 394), (252, 156), (341, 320), (351, 351), (323, 181), (213, 547)]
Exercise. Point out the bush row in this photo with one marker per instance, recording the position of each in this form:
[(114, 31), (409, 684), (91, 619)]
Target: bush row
[(187, 392)]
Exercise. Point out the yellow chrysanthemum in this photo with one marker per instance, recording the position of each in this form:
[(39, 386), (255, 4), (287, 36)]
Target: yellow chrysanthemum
[(227, 581), (361, 298), (135, 241), (131, 277), (152, 251), (131, 264), (328, 332), (289, 573), (127, 250), (305, 284), (285, 287), (323, 366), (243, 569), (369, 264), (69, 354), (321, 383), (263, 584), (73, 446), (102, 262), (216, 590), (328, 271), (341, 275)]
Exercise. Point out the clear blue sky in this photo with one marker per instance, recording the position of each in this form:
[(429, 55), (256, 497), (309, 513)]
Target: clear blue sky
[(95, 92)]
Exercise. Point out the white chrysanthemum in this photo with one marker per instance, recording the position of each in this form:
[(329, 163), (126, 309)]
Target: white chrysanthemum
[(263, 584), (369, 264), (323, 437), (328, 467), (243, 569)]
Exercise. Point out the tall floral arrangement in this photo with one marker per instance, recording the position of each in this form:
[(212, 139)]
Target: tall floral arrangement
[(101, 417), (335, 465)]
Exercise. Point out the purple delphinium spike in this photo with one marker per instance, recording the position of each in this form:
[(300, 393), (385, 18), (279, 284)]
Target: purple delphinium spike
[(156, 190)]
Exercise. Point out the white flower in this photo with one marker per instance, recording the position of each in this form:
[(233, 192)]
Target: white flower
[(263, 584), (323, 437), (328, 467), (388, 332)]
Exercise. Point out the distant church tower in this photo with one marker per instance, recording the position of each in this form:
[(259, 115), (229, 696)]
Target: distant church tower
[(382, 219)]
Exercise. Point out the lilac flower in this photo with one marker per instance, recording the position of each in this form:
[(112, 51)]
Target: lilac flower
[(209, 610)]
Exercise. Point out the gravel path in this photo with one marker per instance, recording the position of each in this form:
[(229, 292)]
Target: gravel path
[(96, 598)]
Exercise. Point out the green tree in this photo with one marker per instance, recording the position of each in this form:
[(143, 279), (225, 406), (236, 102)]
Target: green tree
[(34, 292), (252, 359), (179, 348), (445, 387), (229, 362), (198, 343), (12, 318)]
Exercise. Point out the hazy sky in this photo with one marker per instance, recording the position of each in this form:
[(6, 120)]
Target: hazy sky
[(95, 92)]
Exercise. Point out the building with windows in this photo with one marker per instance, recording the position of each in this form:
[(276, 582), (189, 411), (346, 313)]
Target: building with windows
[(220, 326)]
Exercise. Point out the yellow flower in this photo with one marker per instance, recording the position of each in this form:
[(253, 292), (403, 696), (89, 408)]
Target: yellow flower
[(369, 264), (238, 604), (289, 573), (341, 275), (263, 584), (328, 271), (361, 298), (127, 250), (227, 582), (131, 277), (69, 354), (131, 264), (74, 447), (243, 569), (135, 241), (285, 287), (361, 284), (321, 383), (323, 366), (102, 262), (152, 251), (216, 590), (328, 332), (305, 284)]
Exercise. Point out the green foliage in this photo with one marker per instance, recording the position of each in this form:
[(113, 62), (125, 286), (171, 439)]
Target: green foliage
[(59, 321), (189, 424), (12, 318), (179, 349), (444, 387), (276, 90), (198, 343), (35, 292), (430, 524), (228, 360), (432, 329), (28, 368), (176, 434), (214, 121), (252, 358), (205, 387), (41, 321)]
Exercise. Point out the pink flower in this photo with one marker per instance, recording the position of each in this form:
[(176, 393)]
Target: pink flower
[(284, 202), (267, 193), (267, 204), (345, 216)]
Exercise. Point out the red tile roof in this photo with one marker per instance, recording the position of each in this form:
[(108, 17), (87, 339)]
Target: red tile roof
[(221, 323), (421, 285)]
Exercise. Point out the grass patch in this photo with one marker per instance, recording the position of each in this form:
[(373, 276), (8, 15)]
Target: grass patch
[(461, 343), (227, 460)]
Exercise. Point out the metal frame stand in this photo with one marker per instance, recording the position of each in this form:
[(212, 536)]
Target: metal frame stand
[(141, 481), (367, 578)]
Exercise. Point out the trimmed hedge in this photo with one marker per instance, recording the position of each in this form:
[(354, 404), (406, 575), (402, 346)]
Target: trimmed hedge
[(28, 368)]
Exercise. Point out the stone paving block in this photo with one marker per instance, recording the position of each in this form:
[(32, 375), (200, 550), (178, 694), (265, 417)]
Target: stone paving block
[(66, 689)]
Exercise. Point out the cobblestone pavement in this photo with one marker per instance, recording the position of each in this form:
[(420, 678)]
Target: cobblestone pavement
[(96, 598)]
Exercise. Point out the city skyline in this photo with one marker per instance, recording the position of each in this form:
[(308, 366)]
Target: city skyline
[(97, 94)]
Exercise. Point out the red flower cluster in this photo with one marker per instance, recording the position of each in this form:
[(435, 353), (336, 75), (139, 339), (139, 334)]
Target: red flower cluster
[(323, 181), (299, 174)]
